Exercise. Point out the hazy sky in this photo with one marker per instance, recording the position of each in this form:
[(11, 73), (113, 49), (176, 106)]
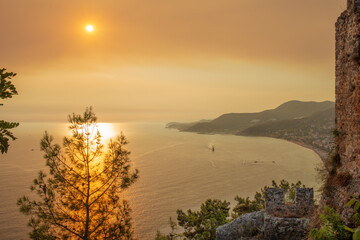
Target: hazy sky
[(165, 59)]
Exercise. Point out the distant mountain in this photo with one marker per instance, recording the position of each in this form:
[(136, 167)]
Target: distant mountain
[(308, 123), (314, 130), (233, 123), (184, 126)]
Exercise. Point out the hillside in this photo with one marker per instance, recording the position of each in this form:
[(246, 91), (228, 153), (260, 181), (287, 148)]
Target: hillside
[(233, 123), (184, 126), (306, 123), (314, 130)]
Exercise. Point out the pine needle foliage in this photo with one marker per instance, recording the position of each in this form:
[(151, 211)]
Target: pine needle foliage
[(80, 197), (202, 224), (7, 90), (332, 227)]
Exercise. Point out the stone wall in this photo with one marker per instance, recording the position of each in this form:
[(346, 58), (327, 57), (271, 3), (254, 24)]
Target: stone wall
[(276, 228), (344, 166), (275, 203), (279, 220)]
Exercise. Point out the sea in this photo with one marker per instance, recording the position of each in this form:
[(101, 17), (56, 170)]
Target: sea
[(177, 170)]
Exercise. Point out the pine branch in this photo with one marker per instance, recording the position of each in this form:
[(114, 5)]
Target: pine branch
[(115, 178), (103, 220)]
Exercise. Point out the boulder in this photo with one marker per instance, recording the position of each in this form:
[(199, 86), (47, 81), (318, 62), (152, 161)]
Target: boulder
[(248, 226)]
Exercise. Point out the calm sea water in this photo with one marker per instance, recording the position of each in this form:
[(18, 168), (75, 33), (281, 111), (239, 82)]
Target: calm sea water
[(177, 170)]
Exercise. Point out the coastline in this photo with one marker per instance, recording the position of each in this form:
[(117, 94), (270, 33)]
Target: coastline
[(321, 153)]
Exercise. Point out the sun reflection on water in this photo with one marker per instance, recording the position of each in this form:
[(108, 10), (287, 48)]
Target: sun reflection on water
[(107, 131)]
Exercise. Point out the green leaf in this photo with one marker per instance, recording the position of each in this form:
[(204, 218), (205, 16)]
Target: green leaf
[(351, 202), (357, 205), (349, 229), (356, 235)]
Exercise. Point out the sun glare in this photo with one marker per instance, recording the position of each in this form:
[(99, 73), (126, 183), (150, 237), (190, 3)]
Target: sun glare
[(106, 130), (90, 28)]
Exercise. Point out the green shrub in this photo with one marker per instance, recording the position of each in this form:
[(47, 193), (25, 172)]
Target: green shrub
[(202, 224), (332, 227), (355, 204)]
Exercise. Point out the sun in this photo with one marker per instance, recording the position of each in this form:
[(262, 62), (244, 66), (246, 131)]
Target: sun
[(90, 28), (106, 130)]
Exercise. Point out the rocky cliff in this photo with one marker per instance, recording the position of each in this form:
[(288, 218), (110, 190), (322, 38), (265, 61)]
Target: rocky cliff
[(344, 179)]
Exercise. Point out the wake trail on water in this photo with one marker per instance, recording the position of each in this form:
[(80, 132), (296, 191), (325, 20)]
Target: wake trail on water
[(210, 146), (160, 149)]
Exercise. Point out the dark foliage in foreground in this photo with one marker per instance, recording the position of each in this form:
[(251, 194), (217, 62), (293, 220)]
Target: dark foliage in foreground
[(333, 227), (7, 90)]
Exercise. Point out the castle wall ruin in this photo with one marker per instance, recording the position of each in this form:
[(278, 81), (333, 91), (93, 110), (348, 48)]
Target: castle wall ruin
[(279, 220), (344, 165)]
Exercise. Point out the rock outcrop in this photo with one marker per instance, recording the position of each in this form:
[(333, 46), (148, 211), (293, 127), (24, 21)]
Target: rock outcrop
[(278, 221), (344, 167), (249, 225)]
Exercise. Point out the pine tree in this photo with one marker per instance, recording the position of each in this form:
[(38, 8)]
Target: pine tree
[(80, 198), (7, 90)]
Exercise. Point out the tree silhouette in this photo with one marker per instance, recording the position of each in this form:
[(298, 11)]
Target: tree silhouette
[(81, 196), (7, 90)]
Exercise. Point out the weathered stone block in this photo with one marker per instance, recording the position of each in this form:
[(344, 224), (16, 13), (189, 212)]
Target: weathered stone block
[(274, 200), (278, 221), (285, 228), (247, 226), (275, 203), (304, 201)]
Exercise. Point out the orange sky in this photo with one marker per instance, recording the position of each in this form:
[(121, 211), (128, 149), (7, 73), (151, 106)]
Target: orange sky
[(165, 60)]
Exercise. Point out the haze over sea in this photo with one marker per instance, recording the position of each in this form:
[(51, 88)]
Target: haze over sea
[(178, 170)]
